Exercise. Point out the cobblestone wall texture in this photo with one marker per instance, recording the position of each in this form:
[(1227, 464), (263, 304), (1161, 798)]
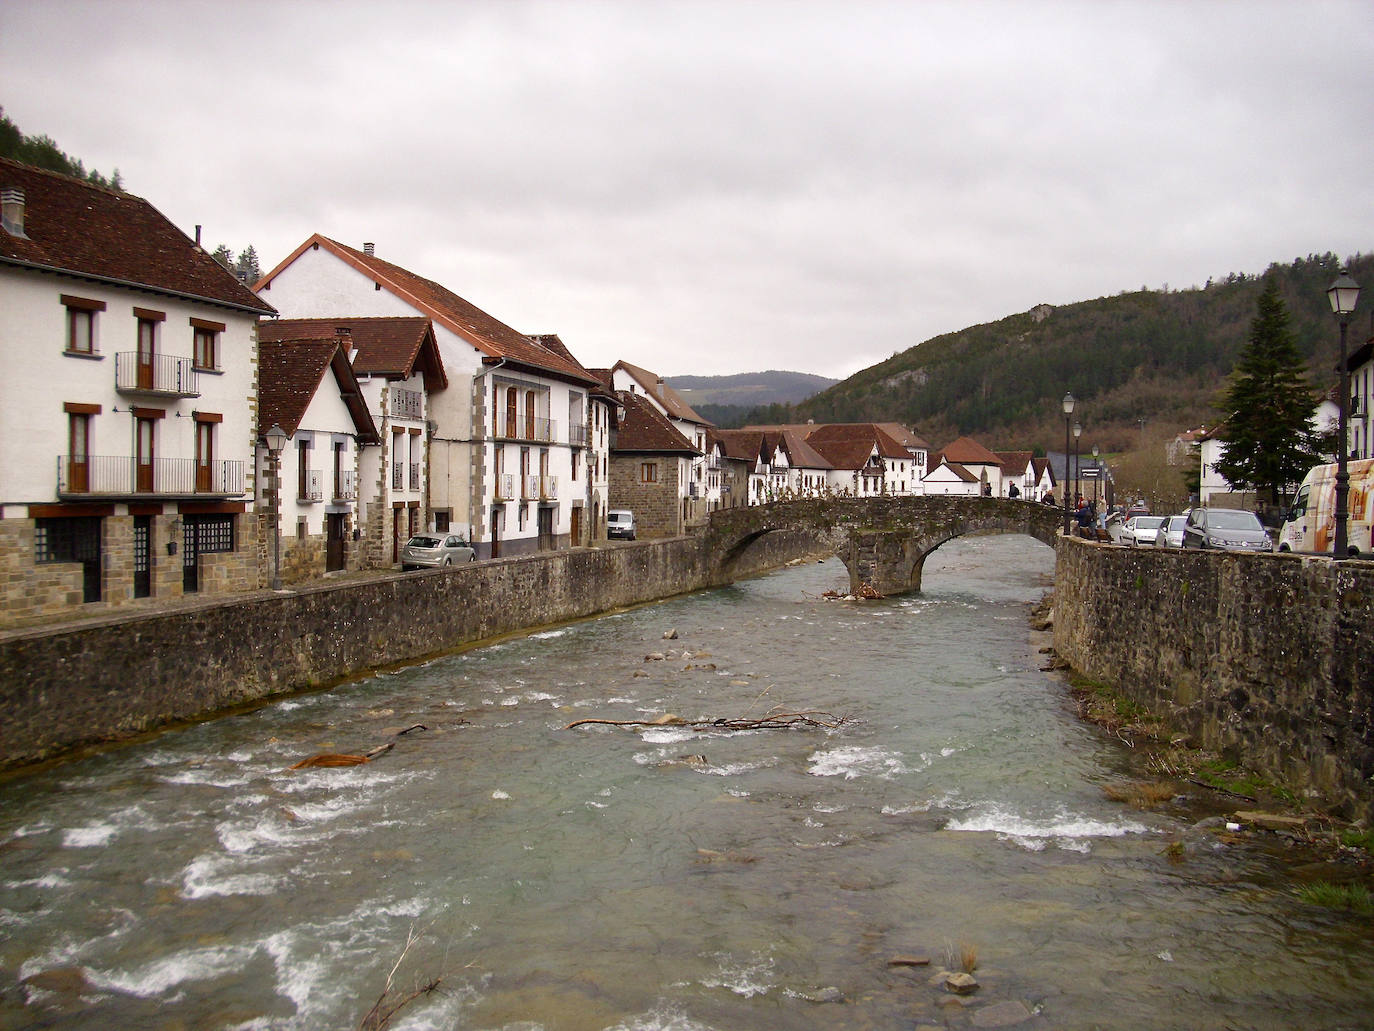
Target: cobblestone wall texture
[(109, 678), (1268, 659)]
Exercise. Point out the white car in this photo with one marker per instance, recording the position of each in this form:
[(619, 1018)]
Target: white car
[(1170, 535), (1140, 531)]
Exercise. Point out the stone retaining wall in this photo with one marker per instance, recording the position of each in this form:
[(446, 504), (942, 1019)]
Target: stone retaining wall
[(121, 675), (1266, 658)]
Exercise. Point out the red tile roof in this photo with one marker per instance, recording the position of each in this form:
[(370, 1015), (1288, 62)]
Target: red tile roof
[(1014, 463), (851, 434), (489, 335), (290, 373), (644, 428), (103, 235), (396, 347), (967, 451)]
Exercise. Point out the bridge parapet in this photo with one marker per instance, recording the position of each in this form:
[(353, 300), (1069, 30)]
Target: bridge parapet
[(883, 541)]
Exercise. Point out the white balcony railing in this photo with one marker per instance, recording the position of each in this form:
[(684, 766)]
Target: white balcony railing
[(531, 487), (348, 485), (314, 485), (504, 489), (548, 488)]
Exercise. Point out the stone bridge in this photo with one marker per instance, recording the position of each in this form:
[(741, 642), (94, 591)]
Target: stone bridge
[(883, 541)]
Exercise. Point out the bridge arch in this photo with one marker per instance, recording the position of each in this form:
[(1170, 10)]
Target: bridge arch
[(883, 541)]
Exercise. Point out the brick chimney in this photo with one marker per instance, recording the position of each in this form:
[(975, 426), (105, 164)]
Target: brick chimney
[(12, 211)]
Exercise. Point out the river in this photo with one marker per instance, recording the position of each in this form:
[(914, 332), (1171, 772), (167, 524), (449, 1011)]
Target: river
[(664, 878)]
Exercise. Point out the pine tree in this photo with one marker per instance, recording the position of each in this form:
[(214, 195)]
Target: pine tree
[(224, 256), (247, 265), (1267, 441)]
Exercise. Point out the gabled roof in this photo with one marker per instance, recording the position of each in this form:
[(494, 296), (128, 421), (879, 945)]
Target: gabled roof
[(395, 348), (106, 236), (902, 435), (738, 445), (492, 337), (854, 433), (653, 385), (1014, 463), (853, 453), (645, 429), (1041, 466), (959, 472), (290, 373), (800, 453), (967, 451)]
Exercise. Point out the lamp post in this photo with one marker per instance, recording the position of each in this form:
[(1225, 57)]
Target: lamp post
[(1343, 294), (1097, 474), (1068, 414), (276, 440), (1077, 473)]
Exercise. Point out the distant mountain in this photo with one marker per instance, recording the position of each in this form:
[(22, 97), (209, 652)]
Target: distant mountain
[(1156, 358), (750, 388)]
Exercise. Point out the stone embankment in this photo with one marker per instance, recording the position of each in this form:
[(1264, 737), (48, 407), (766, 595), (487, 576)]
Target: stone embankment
[(98, 680), (1266, 659)]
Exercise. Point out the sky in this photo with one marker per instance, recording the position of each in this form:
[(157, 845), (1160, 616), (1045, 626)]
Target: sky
[(725, 187)]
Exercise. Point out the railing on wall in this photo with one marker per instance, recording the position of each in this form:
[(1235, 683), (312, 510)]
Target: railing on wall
[(156, 374), (125, 475)]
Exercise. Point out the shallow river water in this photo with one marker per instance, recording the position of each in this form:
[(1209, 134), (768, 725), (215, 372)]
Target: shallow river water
[(594, 878)]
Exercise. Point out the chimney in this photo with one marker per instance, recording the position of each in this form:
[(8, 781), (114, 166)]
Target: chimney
[(369, 249), (12, 211)]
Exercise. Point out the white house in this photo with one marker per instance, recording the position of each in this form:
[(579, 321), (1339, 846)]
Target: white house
[(1360, 425), (131, 368), (952, 478), (398, 368), (864, 460), (308, 389), (978, 460), (501, 453)]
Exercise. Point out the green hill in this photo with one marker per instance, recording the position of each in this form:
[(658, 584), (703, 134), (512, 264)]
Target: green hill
[(1155, 356)]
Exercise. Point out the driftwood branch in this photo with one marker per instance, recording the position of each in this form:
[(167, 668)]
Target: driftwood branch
[(388, 1004), (772, 720)]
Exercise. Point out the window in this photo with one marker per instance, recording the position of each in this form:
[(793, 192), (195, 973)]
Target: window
[(441, 522), (648, 472), (302, 469), (213, 533), (81, 323), (78, 450), (205, 343), (512, 396), (205, 453), (71, 540)]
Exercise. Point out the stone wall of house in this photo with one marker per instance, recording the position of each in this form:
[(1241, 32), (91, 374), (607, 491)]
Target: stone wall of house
[(123, 674), (1265, 658), (31, 591), (656, 506)]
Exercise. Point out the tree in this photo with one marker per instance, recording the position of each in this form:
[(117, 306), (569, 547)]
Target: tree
[(246, 268), (224, 256), (1267, 440)]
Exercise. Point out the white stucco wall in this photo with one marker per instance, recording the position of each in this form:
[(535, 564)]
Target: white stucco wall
[(42, 378)]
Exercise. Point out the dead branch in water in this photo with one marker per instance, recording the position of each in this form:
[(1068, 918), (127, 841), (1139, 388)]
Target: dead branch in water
[(772, 720), (389, 1003), (339, 759)]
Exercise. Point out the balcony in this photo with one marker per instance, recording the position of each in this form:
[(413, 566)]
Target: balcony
[(529, 428), (312, 487), (407, 404), (548, 488), (122, 476), (577, 434), (529, 487), (160, 374), (504, 489), (398, 476), (414, 475)]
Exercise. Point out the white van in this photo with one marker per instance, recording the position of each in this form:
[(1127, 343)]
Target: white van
[(1311, 523), (620, 523)]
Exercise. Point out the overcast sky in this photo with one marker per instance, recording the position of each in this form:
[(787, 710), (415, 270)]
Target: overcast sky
[(728, 187)]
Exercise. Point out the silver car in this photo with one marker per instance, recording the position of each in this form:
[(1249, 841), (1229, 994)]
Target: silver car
[(1140, 530), (1229, 529), (432, 549), (1170, 535)]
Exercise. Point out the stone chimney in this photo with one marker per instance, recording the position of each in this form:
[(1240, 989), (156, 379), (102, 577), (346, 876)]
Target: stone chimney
[(12, 211), (369, 249)]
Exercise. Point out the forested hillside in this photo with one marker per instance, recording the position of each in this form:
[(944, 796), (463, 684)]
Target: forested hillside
[(1156, 356)]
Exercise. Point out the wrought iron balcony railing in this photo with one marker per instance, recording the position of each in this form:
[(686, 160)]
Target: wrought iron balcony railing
[(162, 374), (127, 476)]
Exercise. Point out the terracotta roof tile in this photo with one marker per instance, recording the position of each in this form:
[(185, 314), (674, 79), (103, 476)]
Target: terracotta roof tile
[(644, 428), (104, 235), (395, 347), (290, 373), (489, 335), (967, 451), (670, 399)]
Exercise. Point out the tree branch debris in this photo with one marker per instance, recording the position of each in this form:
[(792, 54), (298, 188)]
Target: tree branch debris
[(771, 720)]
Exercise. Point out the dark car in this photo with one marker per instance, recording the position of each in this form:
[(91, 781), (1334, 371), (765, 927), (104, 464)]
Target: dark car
[(1227, 529), (433, 549)]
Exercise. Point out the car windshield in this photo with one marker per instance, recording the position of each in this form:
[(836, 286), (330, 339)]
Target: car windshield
[(1176, 522), (1149, 522), (1233, 521), (423, 542)]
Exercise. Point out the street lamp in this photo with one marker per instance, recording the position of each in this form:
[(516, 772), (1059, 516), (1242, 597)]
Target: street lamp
[(276, 440), (1077, 473), (1097, 474), (1068, 414), (1344, 294)]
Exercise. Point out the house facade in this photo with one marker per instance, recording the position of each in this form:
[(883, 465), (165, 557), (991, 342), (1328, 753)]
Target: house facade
[(1359, 423), (308, 390), (701, 496), (501, 452), (651, 468), (132, 377)]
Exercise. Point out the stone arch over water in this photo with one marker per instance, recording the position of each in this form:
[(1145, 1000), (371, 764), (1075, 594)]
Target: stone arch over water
[(882, 541)]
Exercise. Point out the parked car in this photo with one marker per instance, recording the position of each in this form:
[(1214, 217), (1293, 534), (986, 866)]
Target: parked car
[(1140, 530), (1170, 535), (620, 523), (429, 550), (1229, 529), (1310, 525)]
